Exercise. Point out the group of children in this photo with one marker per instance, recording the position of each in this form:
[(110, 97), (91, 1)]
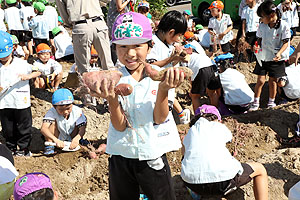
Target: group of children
[(142, 128)]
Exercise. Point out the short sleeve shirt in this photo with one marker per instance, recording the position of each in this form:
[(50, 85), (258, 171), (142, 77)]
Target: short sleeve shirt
[(63, 45), (52, 16), (198, 61), (66, 126), (219, 26), (251, 17), (50, 67), (40, 27), (206, 158), (25, 13), (272, 40), (18, 96), (292, 87), (12, 18)]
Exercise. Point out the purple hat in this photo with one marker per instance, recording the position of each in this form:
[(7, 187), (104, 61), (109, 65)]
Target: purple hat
[(30, 183), (131, 28), (208, 109)]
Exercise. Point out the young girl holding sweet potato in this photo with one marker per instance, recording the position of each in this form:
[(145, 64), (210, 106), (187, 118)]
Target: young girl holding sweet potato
[(142, 129)]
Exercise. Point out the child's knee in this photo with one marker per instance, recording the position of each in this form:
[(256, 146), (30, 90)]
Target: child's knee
[(258, 168)]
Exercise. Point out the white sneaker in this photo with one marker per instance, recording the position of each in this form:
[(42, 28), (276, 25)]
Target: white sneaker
[(186, 118), (254, 107), (271, 105)]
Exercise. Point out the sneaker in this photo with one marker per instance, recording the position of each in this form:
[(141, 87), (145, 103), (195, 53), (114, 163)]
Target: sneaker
[(271, 105), (23, 153), (84, 142), (49, 150), (185, 116), (254, 107)]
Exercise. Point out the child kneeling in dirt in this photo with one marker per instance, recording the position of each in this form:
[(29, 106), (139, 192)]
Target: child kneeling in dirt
[(35, 185), (63, 122), (51, 70), (208, 168)]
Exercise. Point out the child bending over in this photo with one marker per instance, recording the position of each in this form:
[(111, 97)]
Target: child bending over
[(208, 168)]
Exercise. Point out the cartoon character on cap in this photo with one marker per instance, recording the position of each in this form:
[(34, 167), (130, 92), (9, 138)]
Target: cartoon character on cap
[(35, 185)]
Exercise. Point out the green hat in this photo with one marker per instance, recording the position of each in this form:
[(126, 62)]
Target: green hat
[(43, 1), (39, 6), (27, 0), (11, 1), (199, 27), (55, 31), (15, 39), (187, 12)]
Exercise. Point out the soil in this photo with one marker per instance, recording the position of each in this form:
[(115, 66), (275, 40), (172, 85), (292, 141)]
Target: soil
[(75, 176)]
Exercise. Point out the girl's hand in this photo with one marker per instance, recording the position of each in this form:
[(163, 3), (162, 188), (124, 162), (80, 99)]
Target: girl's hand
[(74, 144), (104, 89), (60, 144), (173, 78), (221, 35), (277, 57)]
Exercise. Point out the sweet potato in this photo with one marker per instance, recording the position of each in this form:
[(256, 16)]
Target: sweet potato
[(160, 75), (123, 89)]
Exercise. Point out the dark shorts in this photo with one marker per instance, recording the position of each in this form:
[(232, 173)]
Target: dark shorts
[(272, 68), (205, 78), (38, 41), (17, 33), (27, 36), (224, 187), (225, 47), (235, 109), (251, 38)]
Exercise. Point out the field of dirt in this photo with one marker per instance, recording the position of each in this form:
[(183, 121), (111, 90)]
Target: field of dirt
[(77, 177)]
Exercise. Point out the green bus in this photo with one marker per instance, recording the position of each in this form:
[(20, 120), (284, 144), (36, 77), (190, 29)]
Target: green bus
[(231, 7)]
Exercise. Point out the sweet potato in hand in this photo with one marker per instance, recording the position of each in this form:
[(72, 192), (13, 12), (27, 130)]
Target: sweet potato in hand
[(160, 75)]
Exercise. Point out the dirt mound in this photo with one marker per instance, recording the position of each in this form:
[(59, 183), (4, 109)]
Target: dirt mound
[(77, 177)]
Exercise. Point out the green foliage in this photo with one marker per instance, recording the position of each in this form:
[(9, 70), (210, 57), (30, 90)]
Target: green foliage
[(157, 8)]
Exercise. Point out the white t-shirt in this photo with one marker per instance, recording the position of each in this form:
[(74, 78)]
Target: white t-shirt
[(198, 61), (25, 13), (219, 26), (190, 23), (204, 37), (198, 47), (66, 126), (52, 16), (146, 140), (206, 158), (18, 96), (63, 45), (272, 40), (236, 89), (8, 172), (2, 24), (291, 16), (12, 18), (19, 52), (251, 17), (292, 87), (160, 51), (50, 67)]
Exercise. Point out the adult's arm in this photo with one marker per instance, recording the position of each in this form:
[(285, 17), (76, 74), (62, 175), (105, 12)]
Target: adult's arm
[(120, 5)]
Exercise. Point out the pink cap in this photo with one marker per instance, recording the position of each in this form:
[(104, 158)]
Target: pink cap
[(30, 183), (131, 28), (208, 109)]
